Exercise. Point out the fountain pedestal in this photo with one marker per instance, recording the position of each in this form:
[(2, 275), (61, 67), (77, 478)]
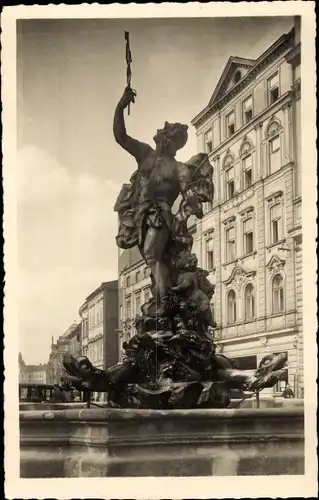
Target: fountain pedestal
[(132, 443)]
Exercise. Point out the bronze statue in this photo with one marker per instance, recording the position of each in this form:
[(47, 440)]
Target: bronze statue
[(171, 361), (145, 207)]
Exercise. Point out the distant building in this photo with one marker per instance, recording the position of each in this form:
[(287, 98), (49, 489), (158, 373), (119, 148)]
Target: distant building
[(251, 236), (134, 291), (34, 374), (99, 324), (68, 342), (75, 340)]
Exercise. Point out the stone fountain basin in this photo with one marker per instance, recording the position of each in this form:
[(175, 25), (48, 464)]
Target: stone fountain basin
[(101, 442)]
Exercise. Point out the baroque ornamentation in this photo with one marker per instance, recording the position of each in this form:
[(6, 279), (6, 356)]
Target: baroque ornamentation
[(228, 161), (238, 276), (245, 147), (273, 128), (275, 264), (171, 361)]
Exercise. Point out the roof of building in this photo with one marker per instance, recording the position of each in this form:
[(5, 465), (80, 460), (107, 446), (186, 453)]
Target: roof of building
[(223, 93), (233, 65), (70, 330), (33, 368), (105, 286)]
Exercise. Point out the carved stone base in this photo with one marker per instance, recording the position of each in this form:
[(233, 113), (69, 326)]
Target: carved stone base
[(126, 443)]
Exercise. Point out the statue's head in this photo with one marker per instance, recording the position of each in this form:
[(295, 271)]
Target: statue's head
[(173, 136)]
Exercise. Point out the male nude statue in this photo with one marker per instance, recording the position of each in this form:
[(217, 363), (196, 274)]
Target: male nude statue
[(146, 206)]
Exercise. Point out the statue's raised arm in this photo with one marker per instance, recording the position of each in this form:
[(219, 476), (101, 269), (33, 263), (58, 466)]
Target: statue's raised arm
[(136, 148)]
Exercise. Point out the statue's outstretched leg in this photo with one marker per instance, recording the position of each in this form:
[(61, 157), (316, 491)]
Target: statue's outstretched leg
[(153, 250)]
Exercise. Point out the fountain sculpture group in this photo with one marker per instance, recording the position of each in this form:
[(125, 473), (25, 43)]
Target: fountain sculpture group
[(171, 361)]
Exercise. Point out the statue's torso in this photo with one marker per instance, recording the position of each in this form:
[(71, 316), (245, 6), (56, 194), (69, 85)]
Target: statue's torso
[(159, 175)]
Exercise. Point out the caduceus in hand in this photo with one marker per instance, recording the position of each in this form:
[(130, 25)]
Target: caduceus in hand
[(145, 206), (128, 56)]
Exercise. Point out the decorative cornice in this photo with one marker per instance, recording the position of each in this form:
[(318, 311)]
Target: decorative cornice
[(277, 194), (230, 219), (208, 233), (246, 211), (294, 56)]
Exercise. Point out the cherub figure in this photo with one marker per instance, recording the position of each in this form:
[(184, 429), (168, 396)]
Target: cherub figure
[(187, 286)]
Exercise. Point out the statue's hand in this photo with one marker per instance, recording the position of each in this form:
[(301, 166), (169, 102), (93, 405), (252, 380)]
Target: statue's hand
[(127, 97)]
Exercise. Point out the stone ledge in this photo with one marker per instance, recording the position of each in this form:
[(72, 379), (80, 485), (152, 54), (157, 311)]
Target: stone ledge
[(103, 414), (127, 443)]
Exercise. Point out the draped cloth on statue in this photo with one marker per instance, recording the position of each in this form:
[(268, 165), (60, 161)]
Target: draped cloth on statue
[(135, 209), (202, 176)]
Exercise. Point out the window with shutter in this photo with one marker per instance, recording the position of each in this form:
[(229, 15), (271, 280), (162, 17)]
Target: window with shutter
[(278, 294), (275, 223), (230, 244), (248, 236), (230, 183), (247, 110), (247, 171), (138, 303), (249, 302), (274, 154), (210, 254), (230, 124), (231, 305), (273, 89), (208, 140)]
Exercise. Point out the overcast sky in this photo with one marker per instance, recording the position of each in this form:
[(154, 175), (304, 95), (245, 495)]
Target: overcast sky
[(70, 76)]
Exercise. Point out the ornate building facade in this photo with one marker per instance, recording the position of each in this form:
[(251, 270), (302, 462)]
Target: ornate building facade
[(250, 238)]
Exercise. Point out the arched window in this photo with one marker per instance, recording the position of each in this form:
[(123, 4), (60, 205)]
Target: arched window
[(249, 302), (231, 307), (277, 294), (247, 163), (273, 135)]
